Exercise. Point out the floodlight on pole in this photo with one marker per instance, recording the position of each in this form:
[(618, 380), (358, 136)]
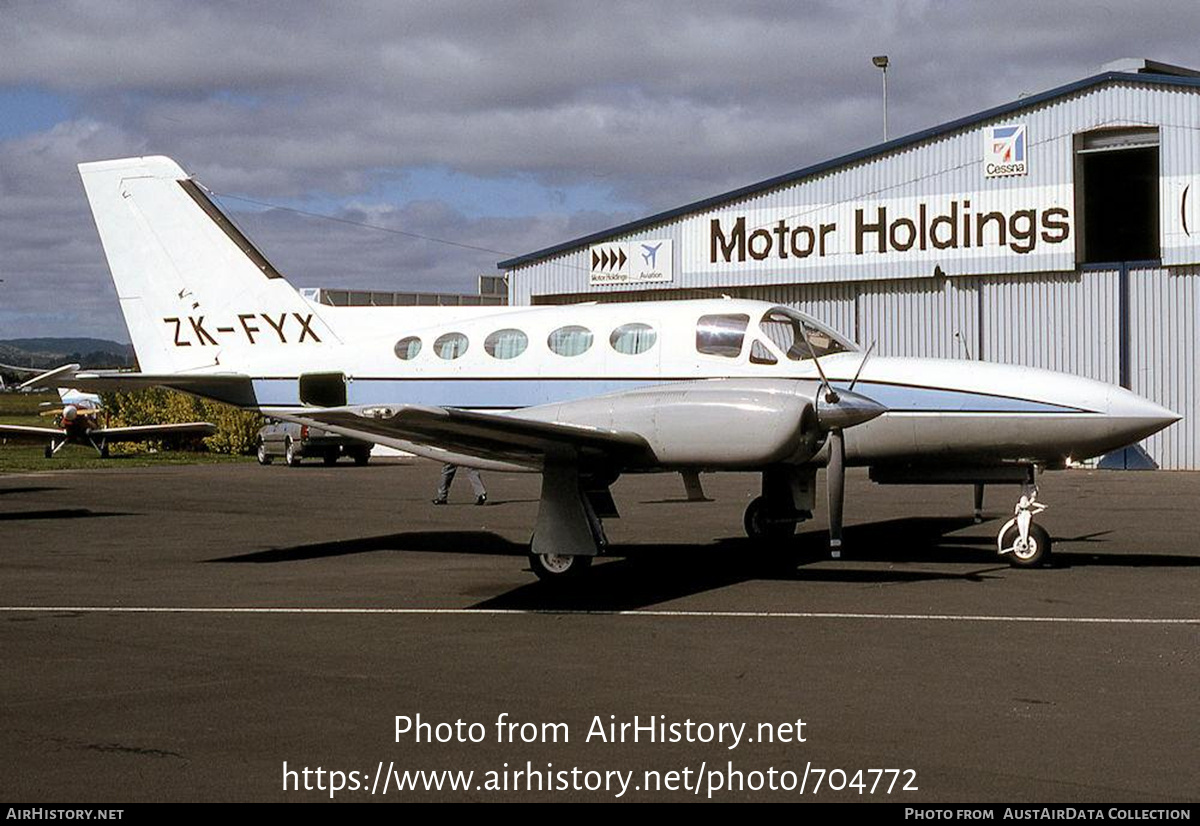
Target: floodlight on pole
[(881, 62)]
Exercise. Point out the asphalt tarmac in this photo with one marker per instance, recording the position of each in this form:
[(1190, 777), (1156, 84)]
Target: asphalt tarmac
[(182, 633)]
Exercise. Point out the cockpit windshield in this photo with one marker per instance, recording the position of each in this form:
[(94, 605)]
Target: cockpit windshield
[(787, 329)]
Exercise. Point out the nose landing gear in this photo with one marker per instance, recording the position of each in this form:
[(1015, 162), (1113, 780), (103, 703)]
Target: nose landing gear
[(1027, 543)]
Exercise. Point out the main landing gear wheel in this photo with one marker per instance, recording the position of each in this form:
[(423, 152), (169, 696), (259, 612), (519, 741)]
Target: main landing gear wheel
[(49, 452), (759, 526), (1031, 553), (559, 567)]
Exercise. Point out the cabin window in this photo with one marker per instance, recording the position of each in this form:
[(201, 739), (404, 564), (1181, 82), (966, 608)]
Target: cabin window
[(407, 348), (761, 354), (570, 341), (450, 346), (721, 335), (786, 332), (505, 344), (633, 339)]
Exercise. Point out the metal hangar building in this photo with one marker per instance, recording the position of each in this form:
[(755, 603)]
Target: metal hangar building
[(1061, 230)]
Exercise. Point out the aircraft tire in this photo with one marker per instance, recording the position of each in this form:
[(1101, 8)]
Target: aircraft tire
[(758, 527), (49, 452), (1038, 552), (264, 458), (559, 567)]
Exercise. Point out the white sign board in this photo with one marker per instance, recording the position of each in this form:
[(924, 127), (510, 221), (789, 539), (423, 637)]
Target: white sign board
[(964, 233), (631, 262), (1004, 151)]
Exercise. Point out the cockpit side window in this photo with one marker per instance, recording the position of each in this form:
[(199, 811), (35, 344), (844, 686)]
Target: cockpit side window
[(761, 354), (721, 335), (786, 333)]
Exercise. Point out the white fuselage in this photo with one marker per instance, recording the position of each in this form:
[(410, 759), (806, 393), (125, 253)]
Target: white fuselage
[(940, 411)]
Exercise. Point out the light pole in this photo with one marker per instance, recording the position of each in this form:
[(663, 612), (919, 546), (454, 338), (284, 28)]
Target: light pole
[(881, 62)]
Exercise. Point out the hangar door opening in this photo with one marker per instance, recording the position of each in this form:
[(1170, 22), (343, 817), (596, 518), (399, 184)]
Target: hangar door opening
[(1116, 195)]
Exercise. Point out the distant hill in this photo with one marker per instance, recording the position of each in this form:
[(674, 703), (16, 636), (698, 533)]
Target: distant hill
[(53, 352)]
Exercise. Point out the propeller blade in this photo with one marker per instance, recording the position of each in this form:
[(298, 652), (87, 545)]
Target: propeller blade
[(836, 470)]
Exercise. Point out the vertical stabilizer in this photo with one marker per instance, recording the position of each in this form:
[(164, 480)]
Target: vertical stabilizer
[(195, 292)]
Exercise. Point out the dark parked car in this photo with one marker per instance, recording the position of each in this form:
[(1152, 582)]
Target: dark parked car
[(295, 442)]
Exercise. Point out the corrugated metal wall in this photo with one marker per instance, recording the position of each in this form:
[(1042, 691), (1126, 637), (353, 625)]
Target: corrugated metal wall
[(1164, 325), (1063, 321)]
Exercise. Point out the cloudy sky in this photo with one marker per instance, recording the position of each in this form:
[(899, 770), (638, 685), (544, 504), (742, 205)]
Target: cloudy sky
[(507, 126)]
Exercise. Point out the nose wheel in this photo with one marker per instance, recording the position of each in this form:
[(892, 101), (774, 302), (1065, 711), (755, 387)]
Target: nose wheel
[(1025, 543)]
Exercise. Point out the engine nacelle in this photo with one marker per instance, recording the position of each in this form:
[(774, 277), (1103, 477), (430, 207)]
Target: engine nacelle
[(731, 424)]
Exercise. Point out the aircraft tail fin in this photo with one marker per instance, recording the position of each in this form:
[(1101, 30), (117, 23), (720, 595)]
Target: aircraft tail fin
[(195, 292)]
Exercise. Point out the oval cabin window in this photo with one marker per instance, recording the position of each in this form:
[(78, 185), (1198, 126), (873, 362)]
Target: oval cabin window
[(570, 341), (633, 339), (450, 346), (407, 348), (505, 344)]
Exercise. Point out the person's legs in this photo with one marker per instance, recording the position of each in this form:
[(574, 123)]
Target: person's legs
[(477, 485), (443, 491)]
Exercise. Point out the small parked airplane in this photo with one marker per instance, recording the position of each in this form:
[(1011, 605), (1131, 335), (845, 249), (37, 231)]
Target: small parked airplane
[(582, 393), (78, 421)]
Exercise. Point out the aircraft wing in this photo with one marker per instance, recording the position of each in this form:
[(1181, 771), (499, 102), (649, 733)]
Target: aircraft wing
[(147, 432), (232, 388), (24, 433), (495, 436)]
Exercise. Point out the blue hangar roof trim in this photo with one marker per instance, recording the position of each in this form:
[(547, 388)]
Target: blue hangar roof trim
[(854, 157)]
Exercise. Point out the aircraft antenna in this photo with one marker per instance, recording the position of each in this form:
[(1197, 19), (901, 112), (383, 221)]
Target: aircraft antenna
[(861, 364)]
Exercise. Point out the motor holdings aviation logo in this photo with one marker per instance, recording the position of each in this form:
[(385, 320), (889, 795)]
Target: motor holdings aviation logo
[(609, 261), (1004, 151), (636, 261)]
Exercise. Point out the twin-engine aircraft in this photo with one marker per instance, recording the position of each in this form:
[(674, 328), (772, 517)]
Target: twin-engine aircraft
[(80, 421), (582, 393)]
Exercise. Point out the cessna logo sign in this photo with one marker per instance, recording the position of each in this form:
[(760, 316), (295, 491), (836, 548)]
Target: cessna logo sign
[(1034, 224), (1004, 151), (631, 262)]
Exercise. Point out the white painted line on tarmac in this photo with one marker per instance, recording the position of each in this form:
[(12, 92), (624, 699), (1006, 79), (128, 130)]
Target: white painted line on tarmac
[(665, 613)]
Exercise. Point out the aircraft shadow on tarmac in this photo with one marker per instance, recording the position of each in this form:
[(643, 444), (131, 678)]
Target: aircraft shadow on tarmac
[(59, 513), (473, 542), (640, 575), (37, 489)]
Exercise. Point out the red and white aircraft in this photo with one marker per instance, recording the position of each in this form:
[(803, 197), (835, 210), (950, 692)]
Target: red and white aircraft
[(81, 420)]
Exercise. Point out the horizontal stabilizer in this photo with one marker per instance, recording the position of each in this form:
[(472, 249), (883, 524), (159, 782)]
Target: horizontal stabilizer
[(231, 388), (53, 378)]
